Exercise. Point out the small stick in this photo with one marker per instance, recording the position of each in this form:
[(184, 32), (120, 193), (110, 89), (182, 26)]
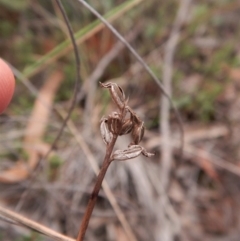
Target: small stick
[(21, 220)]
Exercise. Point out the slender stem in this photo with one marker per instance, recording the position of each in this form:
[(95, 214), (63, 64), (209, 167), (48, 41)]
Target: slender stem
[(74, 101), (93, 198)]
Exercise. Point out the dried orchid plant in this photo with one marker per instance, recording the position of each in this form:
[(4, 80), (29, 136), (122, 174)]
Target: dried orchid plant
[(120, 122)]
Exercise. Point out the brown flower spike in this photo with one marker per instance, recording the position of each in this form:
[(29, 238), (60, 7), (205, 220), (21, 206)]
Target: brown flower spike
[(120, 122)]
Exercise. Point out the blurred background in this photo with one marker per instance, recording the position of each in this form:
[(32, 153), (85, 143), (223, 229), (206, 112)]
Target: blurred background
[(190, 45)]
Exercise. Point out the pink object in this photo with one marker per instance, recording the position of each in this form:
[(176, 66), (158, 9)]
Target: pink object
[(7, 85)]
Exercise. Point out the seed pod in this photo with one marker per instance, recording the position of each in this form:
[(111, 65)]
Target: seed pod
[(138, 127), (117, 94), (105, 133), (126, 127), (114, 123), (132, 152), (137, 133)]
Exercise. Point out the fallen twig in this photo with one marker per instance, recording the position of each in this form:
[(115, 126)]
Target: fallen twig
[(21, 220)]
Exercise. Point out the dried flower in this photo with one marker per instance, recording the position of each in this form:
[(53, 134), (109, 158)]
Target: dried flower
[(114, 123), (132, 152), (118, 124), (117, 94), (105, 133), (127, 126), (138, 127)]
